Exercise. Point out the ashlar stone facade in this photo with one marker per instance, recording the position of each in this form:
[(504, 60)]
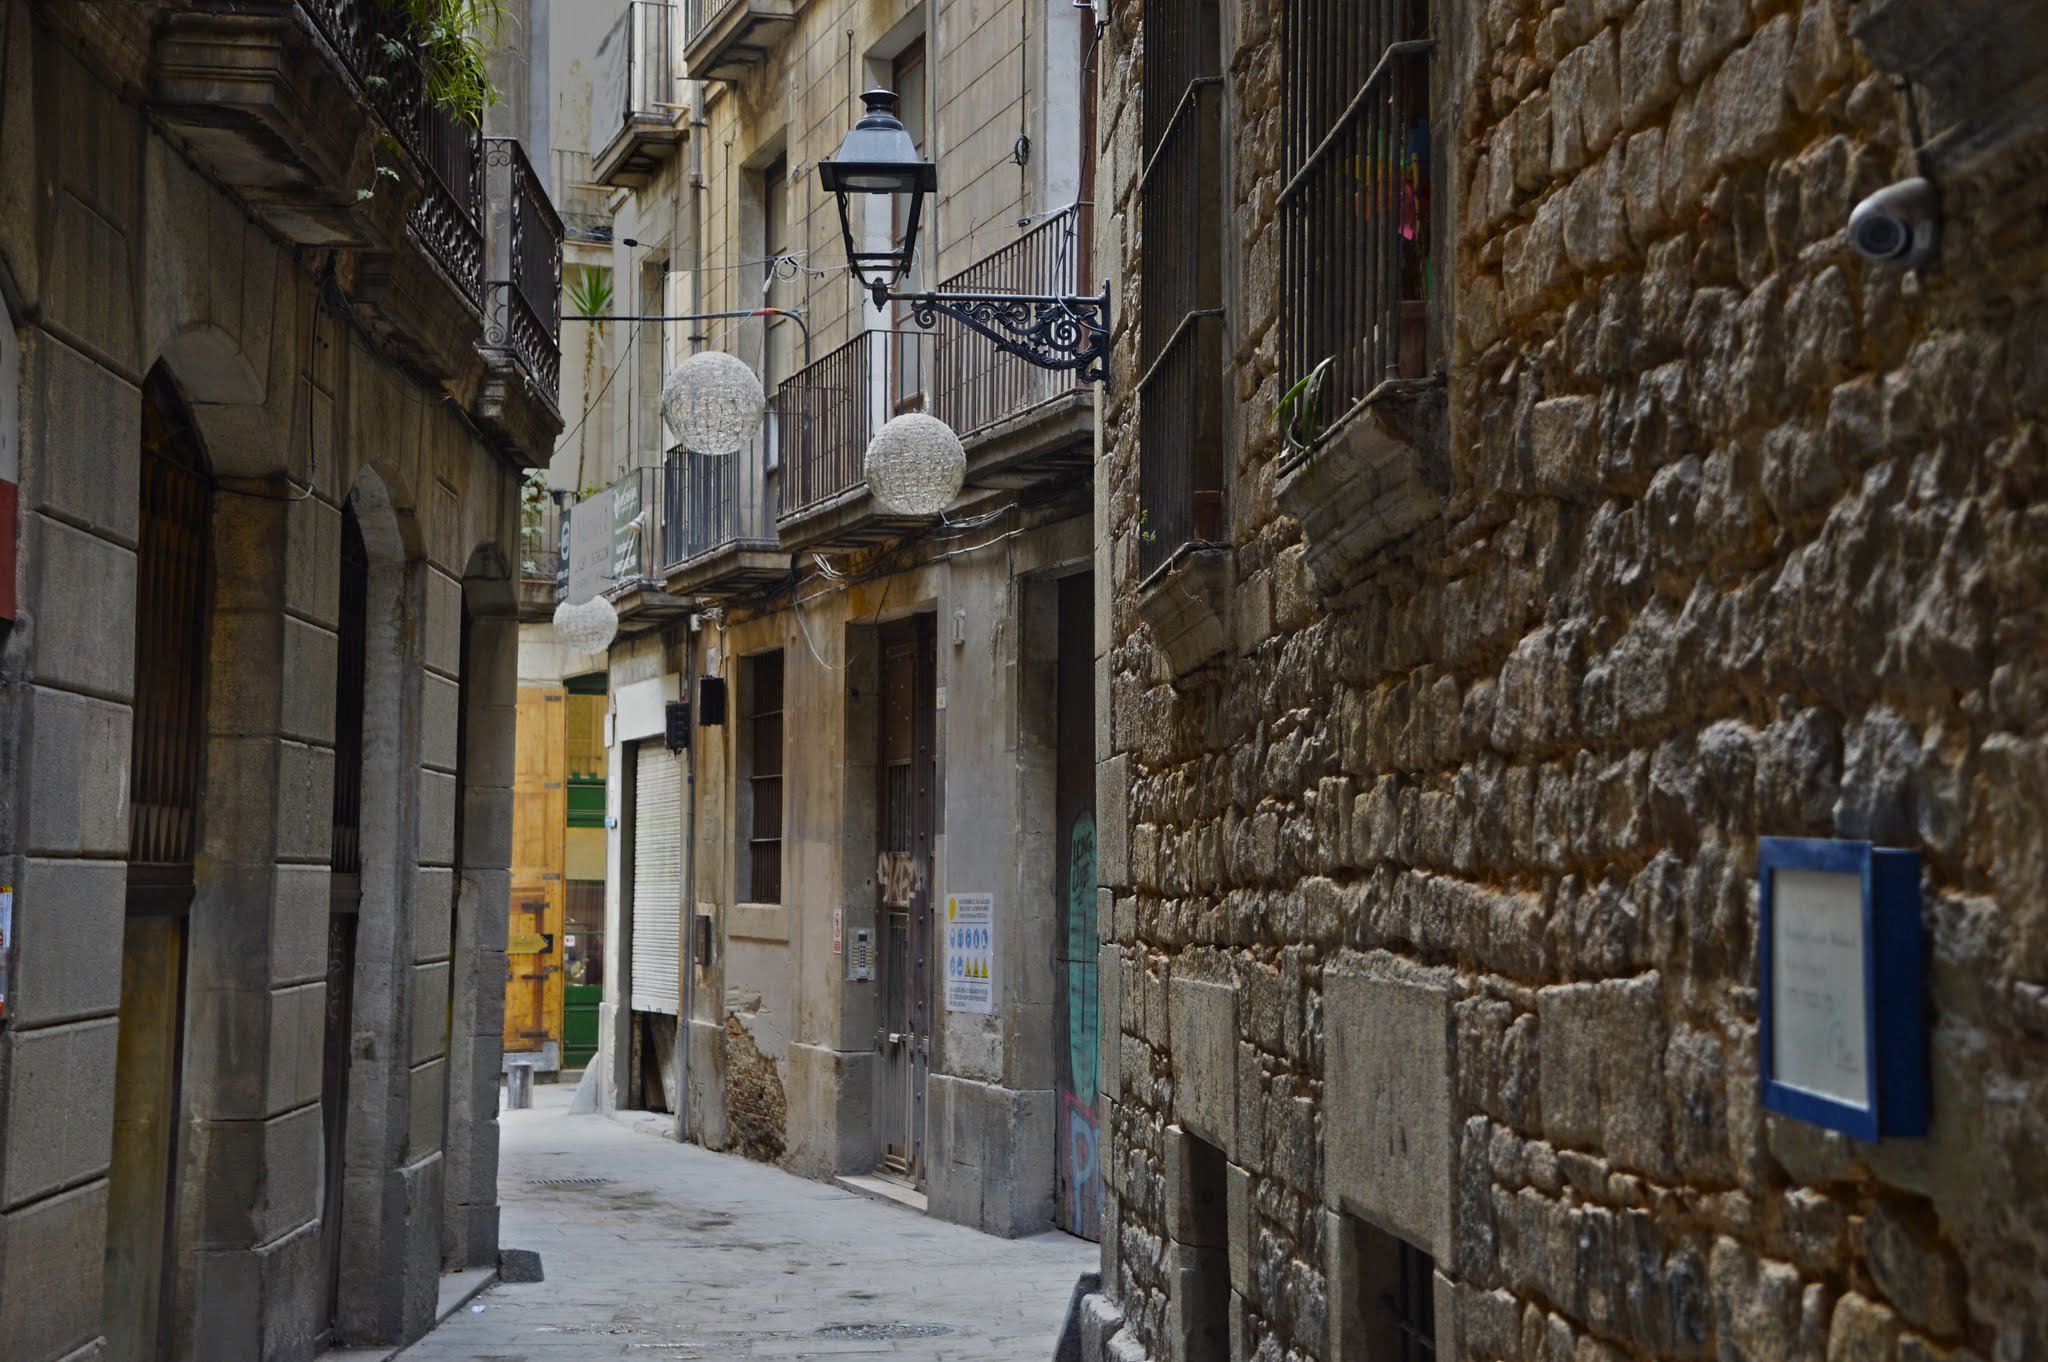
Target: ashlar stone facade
[(1435, 911), (143, 294)]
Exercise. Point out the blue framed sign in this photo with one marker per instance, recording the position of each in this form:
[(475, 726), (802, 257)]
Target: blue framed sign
[(1842, 1026)]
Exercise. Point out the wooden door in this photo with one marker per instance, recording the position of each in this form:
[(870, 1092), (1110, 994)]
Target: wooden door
[(165, 769), (905, 809), (1076, 1014), (540, 823)]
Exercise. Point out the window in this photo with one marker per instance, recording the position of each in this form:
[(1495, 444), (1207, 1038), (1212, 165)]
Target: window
[(1356, 235), (1182, 211), (1384, 1297), (760, 778)]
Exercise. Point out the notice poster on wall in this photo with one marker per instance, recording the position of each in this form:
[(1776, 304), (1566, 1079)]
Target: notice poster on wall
[(970, 928)]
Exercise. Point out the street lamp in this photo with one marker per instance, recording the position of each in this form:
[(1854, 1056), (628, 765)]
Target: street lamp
[(879, 159)]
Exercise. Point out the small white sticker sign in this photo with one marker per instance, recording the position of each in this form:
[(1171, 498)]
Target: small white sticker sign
[(1819, 999), (970, 929)]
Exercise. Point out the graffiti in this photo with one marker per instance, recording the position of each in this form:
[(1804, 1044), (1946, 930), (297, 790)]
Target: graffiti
[(900, 877), (1083, 1171)]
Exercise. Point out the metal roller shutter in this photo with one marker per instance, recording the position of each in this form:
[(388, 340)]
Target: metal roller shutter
[(657, 877)]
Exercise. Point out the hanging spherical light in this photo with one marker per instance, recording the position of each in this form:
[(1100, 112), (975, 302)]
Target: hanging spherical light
[(713, 402), (588, 627), (915, 465)]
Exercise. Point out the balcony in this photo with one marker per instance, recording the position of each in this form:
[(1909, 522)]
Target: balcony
[(720, 523), (1022, 425), (520, 401), (634, 123), (543, 556), (826, 414), (314, 114), (728, 38), (641, 547)]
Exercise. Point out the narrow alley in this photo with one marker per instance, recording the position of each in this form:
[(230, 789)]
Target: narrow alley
[(652, 1249)]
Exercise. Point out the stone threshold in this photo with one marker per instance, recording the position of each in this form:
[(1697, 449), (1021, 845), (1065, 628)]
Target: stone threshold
[(883, 1189), (457, 1290)]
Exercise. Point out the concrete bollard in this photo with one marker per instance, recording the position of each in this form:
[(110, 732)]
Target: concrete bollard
[(519, 1087)]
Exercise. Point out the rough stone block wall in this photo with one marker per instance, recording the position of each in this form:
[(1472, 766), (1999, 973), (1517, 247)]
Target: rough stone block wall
[(1743, 539)]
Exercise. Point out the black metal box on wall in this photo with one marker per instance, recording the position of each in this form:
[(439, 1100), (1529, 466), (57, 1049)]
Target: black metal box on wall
[(677, 725), (710, 701)]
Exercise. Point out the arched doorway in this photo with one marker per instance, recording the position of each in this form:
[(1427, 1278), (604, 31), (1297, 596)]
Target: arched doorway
[(345, 897), (173, 585)]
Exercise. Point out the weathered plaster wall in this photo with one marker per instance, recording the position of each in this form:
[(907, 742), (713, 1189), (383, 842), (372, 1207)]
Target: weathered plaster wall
[(1742, 540)]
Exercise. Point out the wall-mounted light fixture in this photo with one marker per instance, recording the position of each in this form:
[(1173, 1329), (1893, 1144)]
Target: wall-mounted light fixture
[(879, 160)]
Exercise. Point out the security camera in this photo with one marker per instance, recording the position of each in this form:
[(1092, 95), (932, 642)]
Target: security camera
[(1899, 225)]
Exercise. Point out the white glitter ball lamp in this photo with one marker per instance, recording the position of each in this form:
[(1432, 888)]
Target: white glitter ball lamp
[(588, 627), (713, 402), (915, 465)]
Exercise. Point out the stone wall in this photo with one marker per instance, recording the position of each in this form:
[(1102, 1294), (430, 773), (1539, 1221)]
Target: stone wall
[(118, 255), (1438, 904)]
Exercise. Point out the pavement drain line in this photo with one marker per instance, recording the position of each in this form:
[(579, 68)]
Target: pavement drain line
[(566, 1182), (883, 1331)]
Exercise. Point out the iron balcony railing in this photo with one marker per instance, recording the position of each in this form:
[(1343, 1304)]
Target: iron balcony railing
[(524, 314), (372, 40), (448, 219), (1355, 211), (541, 523), (826, 413), (719, 501), (697, 14), (976, 385), (636, 74)]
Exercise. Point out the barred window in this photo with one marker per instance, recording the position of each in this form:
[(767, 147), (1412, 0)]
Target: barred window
[(760, 784), (1182, 209), (1358, 265)]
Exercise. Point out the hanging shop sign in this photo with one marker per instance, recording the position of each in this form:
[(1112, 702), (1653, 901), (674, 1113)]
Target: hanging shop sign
[(1842, 1033), (970, 952)]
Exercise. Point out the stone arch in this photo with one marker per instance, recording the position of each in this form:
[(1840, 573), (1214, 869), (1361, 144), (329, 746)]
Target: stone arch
[(477, 934), (387, 1179), (246, 427)]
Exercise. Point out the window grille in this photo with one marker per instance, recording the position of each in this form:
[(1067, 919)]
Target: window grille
[(1357, 265), (763, 700), (1181, 215)]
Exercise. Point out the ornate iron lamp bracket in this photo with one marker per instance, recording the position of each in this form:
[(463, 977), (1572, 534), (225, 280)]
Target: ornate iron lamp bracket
[(1051, 332)]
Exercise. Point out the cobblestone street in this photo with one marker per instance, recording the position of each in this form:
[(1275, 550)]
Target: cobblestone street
[(679, 1253)]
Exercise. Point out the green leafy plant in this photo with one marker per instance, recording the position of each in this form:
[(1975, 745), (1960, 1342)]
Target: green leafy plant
[(590, 293), (1299, 413), (533, 491), (453, 40)]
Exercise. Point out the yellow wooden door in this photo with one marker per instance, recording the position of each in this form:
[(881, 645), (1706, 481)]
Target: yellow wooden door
[(540, 817)]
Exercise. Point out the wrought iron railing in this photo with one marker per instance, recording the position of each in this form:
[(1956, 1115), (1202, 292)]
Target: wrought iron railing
[(826, 413), (524, 312), (448, 219), (717, 501), (540, 538), (636, 73), (373, 42), (701, 14), (1355, 212), (977, 385)]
